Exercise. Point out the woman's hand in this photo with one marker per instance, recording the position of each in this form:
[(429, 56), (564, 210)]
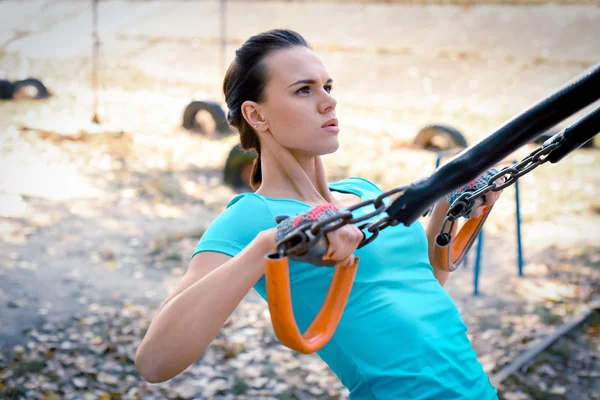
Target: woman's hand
[(486, 202), (342, 244)]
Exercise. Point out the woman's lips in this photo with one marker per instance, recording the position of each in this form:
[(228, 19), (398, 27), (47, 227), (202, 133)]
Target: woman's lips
[(331, 125)]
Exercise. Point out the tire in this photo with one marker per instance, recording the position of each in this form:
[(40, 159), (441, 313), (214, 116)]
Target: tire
[(439, 138), (6, 89), (41, 90), (236, 171), (213, 109)]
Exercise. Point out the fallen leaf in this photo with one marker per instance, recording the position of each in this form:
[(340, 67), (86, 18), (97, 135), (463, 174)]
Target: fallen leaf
[(556, 389)]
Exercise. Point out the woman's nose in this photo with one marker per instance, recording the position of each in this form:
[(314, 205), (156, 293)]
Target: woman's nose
[(328, 104)]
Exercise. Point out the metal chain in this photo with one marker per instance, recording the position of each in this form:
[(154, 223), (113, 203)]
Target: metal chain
[(465, 202), (301, 239), (306, 236)]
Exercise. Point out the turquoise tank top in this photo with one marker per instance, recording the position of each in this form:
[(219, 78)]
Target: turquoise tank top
[(401, 335)]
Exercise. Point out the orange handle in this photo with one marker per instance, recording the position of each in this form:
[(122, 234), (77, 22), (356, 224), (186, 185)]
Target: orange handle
[(325, 323), (450, 256)]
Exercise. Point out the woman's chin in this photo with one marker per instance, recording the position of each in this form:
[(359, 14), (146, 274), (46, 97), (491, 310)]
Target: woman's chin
[(324, 146), (331, 148)]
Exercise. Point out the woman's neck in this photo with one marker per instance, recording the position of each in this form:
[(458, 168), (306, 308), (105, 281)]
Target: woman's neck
[(294, 176)]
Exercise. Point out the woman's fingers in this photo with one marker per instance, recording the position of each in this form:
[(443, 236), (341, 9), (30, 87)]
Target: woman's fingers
[(492, 197), (348, 261), (476, 211), (342, 244), (482, 204)]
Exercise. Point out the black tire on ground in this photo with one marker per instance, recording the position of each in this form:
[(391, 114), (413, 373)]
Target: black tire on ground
[(237, 167), (439, 138), (41, 90), (213, 109), (6, 89)]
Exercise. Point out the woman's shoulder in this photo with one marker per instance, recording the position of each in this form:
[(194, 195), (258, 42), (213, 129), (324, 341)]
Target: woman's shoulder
[(368, 187), (245, 207), (237, 225), (244, 211), (246, 199)]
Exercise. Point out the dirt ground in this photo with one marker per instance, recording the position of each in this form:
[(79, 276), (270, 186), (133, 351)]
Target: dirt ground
[(95, 231)]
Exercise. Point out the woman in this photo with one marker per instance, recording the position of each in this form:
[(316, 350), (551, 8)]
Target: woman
[(401, 336)]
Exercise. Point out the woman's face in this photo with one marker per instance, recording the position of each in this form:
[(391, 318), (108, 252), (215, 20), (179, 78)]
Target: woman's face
[(298, 109)]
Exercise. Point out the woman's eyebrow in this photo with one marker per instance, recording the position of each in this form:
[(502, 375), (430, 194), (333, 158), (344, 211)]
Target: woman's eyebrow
[(309, 82)]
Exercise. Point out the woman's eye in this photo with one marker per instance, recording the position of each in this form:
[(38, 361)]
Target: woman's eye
[(306, 89)]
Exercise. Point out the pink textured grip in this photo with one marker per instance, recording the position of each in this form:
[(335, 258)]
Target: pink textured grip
[(285, 224)]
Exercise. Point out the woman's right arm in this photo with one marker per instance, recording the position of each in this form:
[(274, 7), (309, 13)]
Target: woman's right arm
[(190, 318)]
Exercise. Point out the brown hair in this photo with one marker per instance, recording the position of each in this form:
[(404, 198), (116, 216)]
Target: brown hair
[(246, 79)]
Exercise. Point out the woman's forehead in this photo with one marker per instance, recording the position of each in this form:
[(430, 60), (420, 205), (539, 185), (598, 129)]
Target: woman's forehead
[(291, 65)]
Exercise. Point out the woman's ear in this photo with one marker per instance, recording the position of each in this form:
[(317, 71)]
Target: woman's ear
[(253, 115)]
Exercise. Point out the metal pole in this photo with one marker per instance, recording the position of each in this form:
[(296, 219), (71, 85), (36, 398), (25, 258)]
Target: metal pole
[(477, 264), (95, 50), (223, 15), (519, 244)]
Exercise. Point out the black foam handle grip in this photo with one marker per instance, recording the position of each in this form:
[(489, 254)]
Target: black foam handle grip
[(575, 135)]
